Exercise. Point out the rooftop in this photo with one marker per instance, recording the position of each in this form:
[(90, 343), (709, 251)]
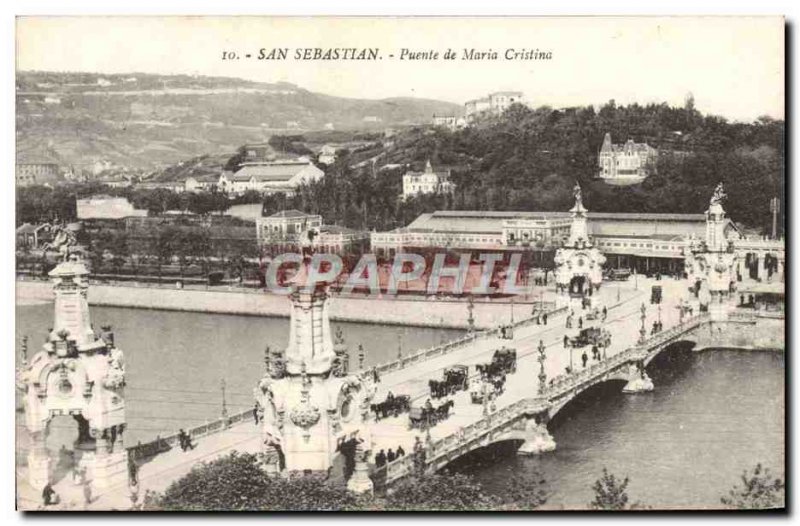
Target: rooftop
[(291, 213), (279, 172)]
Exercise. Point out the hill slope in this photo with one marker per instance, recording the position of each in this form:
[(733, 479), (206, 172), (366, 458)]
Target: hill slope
[(147, 121)]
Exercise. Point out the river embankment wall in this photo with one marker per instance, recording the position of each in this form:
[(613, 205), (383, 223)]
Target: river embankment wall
[(759, 332), (417, 312)]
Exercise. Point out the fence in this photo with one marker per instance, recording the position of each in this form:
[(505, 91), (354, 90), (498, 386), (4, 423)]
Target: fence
[(440, 350), (161, 444)]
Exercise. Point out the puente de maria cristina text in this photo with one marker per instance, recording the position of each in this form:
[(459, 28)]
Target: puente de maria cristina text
[(320, 410)]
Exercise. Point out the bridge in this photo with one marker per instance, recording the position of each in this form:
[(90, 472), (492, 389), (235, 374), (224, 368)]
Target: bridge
[(534, 394)]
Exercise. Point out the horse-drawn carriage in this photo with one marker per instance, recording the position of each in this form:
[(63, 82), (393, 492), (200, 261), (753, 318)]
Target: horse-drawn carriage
[(591, 336), (504, 361), (655, 294), (425, 417), (618, 274), (455, 378), (489, 389), (593, 315), (391, 406)]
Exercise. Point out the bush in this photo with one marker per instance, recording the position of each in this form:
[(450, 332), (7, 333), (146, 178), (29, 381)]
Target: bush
[(759, 490), (237, 482)]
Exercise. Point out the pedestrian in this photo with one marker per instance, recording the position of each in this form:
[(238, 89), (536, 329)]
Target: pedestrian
[(566, 341), (584, 359), (255, 412), (49, 496), (595, 352), (544, 318), (400, 451), (380, 458), (580, 322), (87, 494), (605, 312), (390, 456)]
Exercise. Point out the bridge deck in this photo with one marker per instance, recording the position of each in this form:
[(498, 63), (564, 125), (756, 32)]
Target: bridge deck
[(624, 322)]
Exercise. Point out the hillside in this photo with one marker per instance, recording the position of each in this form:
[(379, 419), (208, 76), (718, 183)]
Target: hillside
[(144, 122)]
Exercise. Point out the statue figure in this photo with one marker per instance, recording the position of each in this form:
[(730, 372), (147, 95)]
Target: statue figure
[(63, 239), (719, 195), (577, 192)]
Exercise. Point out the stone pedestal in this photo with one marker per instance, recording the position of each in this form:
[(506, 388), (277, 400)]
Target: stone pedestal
[(360, 482), (38, 465), (718, 311), (108, 469), (640, 383), (537, 439)]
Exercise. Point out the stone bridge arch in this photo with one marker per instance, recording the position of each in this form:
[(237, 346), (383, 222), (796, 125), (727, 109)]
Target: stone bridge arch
[(685, 341)]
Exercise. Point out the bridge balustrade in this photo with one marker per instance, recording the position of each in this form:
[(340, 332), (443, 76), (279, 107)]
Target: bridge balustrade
[(439, 350), (160, 445)]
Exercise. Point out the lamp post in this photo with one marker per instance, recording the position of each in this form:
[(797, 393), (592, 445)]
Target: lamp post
[(570, 357), (542, 374), (642, 330), (399, 347), (659, 316), (224, 401), (471, 318)]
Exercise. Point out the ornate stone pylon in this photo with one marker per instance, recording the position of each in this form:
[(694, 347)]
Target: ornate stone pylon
[(579, 264), (77, 373), (312, 405), (711, 262)]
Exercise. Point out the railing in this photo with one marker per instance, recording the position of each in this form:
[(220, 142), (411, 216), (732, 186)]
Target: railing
[(562, 385), (440, 350), (162, 444)]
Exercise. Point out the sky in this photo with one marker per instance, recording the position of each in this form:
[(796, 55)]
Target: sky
[(734, 67)]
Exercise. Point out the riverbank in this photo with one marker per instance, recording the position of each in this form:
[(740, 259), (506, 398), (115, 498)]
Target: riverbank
[(416, 312)]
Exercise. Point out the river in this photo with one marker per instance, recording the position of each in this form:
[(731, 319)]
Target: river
[(712, 414)]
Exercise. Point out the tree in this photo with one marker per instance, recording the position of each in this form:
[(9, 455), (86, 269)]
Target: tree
[(610, 493), (459, 492), (238, 482), (437, 492), (759, 489)]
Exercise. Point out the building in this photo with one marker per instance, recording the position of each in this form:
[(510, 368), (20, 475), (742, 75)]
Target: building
[(451, 122), (427, 182), (269, 177), (106, 207), (341, 240), (285, 231), (327, 154), (173, 186), (33, 236), (285, 227), (641, 241), (624, 164), (114, 181), (28, 174), (493, 104), (201, 183)]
